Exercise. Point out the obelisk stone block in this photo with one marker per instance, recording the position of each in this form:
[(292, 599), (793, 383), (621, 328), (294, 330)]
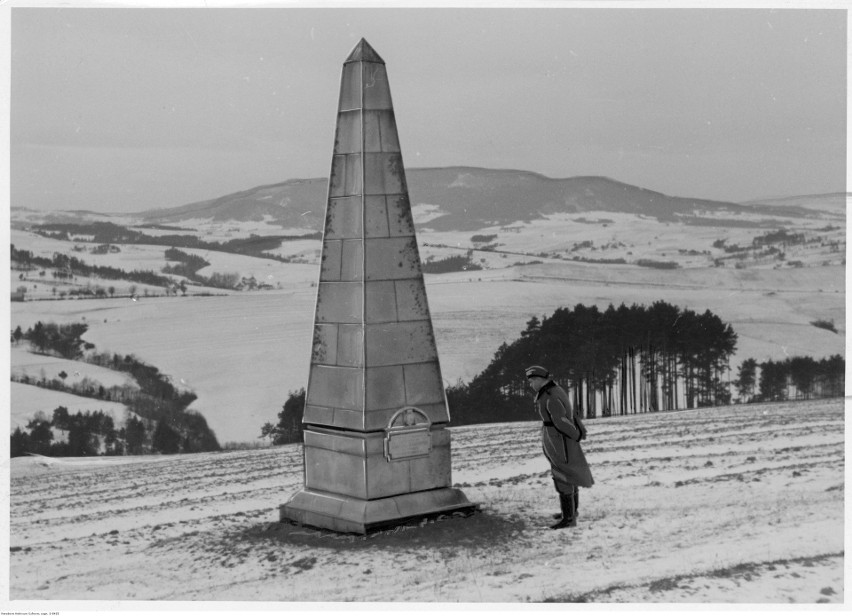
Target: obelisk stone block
[(377, 450)]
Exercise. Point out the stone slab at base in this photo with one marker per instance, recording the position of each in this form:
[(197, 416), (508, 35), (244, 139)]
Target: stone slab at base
[(351, 515)]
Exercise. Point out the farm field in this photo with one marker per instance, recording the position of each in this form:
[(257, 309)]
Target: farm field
[(33, 364), (617, 235), (250, 349), (152, 258), (27, 400), (736, 504), (239, 359)]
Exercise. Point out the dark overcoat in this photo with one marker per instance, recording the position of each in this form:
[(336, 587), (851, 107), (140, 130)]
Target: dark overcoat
[(561, 435)]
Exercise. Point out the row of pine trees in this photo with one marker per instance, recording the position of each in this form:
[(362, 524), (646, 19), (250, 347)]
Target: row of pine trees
[(93, 433), (624, 360), (634, 359), (792, 378)]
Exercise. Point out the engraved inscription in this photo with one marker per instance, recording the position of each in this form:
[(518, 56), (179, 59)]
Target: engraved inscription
[(407, 445)]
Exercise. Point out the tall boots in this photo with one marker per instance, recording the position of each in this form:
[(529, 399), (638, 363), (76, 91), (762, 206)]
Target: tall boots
[(576, 491), (568, 504)]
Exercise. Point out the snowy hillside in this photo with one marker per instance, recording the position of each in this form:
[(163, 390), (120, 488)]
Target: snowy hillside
[(728, 504), (250, 349)]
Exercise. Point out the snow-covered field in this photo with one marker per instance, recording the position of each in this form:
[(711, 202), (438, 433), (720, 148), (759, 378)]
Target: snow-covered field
[(242, 353), (152, 258), (29, 400), (35, 365), (130, 257), (616, 235), (212, 230), (729, 504)]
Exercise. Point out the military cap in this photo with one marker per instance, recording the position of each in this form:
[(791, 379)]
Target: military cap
[(537, 371)]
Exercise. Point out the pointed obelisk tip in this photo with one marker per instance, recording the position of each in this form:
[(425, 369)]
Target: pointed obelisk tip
[(364, 53)]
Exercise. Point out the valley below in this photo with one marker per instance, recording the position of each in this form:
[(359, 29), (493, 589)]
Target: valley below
[(241, 353)]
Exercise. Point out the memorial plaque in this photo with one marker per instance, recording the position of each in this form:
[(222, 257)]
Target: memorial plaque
[(408, 444)]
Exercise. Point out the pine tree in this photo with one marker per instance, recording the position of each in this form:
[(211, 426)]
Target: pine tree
[(165, 439), (40, 436), (135, 434), (289, 428), (20, 443)]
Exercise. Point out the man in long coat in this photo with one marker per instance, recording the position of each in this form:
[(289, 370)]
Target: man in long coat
[(561, 433)]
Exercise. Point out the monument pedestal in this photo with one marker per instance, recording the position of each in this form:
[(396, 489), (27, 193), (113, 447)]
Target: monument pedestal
[(357, 482), (347, 514)]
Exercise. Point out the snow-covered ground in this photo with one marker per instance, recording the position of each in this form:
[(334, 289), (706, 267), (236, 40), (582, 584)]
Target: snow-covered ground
[(131, 257), (30, 400), (36, 365), (729, 504), (242, 353), (615, 235)]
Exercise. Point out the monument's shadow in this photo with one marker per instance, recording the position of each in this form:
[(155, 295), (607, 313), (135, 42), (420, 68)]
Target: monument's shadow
[(459, 531)]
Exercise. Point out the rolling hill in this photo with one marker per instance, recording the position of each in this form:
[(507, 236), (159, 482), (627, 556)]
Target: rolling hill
[(470, 198), (830, 203)]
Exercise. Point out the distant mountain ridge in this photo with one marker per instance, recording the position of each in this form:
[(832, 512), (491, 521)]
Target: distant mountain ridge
[(475, 197), (471, 198), (830, 202), (292, 203)]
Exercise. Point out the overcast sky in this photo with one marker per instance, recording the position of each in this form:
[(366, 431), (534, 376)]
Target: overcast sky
[(120, 110)]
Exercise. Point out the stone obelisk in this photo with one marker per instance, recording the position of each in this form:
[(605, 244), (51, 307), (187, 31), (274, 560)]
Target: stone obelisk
[(377, 451)]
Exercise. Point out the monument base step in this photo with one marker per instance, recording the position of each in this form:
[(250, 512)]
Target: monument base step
[(346, 514)]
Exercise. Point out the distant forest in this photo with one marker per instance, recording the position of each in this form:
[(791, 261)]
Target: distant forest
[(792, 378), (457, 263), (188, 266), (159, 421), (625, 360), (612, 362), (68, 267), (110, 233), (635, 359)]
